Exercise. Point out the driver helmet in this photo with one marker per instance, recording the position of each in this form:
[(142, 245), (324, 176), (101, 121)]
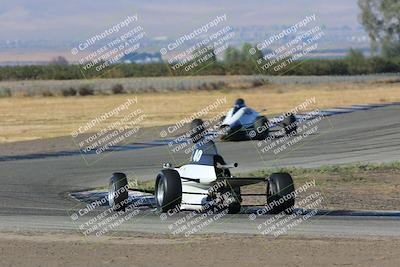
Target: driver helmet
[(197, 130), (239, 103)]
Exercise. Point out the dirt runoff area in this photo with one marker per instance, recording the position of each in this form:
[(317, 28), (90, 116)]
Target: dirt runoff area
[(31, 118), (60, 249), (342, 187)]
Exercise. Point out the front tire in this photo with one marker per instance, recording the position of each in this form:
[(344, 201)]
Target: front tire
[(168, 190), (118, 191), (280, 186), (289, 123), (261, 128)]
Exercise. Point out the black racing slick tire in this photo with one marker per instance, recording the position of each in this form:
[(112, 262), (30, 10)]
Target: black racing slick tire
[(235, 206), (231, 202), (118, 191), (289, 123), (168, 190), (260, 128), (237, 133), (280, 193)]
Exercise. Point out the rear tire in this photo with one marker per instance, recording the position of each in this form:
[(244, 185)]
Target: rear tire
[(232, 204), (118, 191), (279, 186), (234, 208), (168, 190), (236, 205)]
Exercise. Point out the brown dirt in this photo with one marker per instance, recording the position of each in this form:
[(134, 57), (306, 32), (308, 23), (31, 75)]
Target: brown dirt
[(33, 249), (346, 190)]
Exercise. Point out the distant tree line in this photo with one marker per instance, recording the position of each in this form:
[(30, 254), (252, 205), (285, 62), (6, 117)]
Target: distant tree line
[(235, 62), (380, 19)]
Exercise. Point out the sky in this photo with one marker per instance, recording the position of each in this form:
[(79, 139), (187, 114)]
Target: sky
[(68, 20)]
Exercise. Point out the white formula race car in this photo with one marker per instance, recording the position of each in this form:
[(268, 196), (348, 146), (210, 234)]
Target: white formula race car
[(204, 182), (244, 123)]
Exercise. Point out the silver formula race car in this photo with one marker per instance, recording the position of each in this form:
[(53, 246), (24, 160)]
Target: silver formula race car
[(206, 181), (244, 123)]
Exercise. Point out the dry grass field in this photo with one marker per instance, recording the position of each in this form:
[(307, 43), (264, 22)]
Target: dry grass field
[(28, 118)]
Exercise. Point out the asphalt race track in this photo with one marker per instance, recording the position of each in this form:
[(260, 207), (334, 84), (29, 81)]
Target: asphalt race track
[(34, 193)]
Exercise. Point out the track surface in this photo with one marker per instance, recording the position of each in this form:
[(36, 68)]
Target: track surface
[(34, 193)]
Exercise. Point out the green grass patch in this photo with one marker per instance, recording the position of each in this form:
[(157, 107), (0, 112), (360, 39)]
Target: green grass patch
[(146, 185)]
